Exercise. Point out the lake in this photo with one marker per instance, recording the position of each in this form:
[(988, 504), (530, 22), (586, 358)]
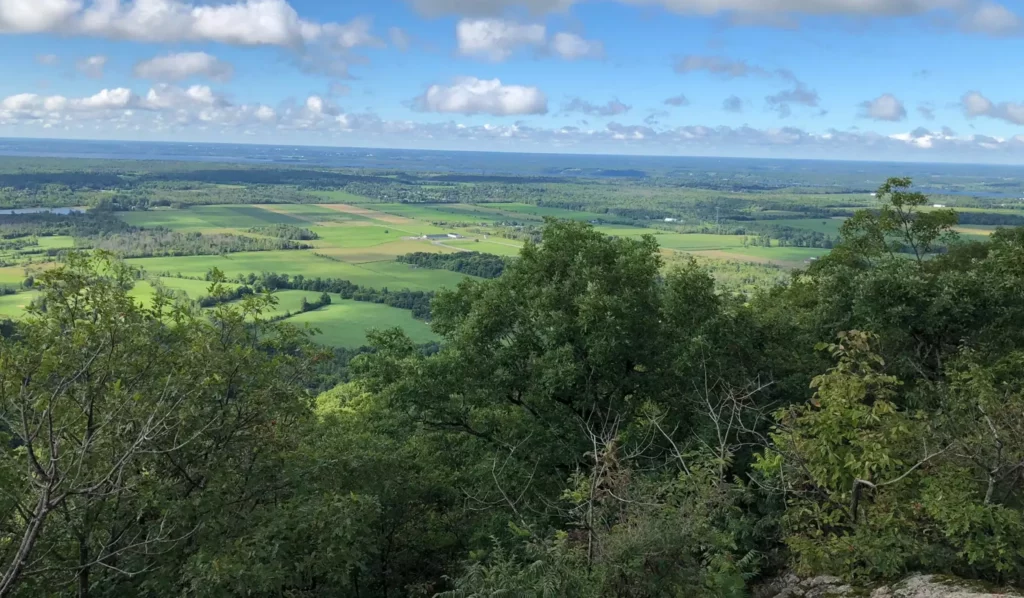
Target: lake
[(62, 211)]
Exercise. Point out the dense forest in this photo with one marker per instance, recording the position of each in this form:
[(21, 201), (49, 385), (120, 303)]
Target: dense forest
[(483, 265), (589, 426)]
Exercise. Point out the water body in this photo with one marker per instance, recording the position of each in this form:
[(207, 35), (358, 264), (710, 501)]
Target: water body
[(61, 211)]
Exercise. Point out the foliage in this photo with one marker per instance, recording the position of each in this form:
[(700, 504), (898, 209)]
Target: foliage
[(142, 443), (285, 231), (156, 243), (482, 265)]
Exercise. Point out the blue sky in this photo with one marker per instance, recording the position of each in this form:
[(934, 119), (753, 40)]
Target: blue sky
[(862, 79)]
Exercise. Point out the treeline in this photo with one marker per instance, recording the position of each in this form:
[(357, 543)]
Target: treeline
[(46, 224), (155, 243), (418, 302), (285, 231), (482, 265)]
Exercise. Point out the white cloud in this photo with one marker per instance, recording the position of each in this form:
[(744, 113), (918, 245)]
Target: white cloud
[(573, 47), (183, 65), (164, 97), (242, 22), (496, 39), (975, 104), (884, 107), (35, 16), (991, 19), (47, 59), (469, 95), (926, 110), (399, 38), (92, 66)]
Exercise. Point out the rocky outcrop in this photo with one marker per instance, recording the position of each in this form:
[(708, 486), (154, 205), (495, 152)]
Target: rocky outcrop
[(916, 586)]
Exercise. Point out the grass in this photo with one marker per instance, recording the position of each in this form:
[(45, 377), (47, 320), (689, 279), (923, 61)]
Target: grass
[(345, 323), (505, 247), (198, 218), (395, 276), (13, 306), (356, 235), (384, 252), (192, 289)]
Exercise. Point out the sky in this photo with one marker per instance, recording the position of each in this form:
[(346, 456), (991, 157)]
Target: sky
[(908, 80)]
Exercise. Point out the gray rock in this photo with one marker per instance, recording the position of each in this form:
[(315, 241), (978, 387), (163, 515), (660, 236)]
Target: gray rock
[(915, 586)]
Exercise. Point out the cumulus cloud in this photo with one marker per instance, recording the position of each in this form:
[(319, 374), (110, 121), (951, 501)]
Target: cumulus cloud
[(991, 19), (926, 110), (469, 95), (611, 108), (679, 100), (496, 39), (732, 104), (184, 65), (242, 22), (800, 94), (975, 104), (884, 107), (986, 18), (573, 47), (92, 66)]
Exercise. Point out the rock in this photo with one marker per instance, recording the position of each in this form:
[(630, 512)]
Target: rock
[(931, 586), (915, 586)]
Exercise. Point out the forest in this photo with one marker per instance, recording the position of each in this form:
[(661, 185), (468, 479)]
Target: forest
[(591, 424), (482, 265)]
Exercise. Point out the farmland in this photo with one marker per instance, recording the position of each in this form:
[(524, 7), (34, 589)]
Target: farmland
[(749, 229)]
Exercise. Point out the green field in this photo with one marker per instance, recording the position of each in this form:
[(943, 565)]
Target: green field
[(345, 323), (827, 226), (497, 246), (341, 197), (13, 306), (197, 218)]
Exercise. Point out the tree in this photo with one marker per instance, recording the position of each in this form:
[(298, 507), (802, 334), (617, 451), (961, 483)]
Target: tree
[(899, 224), (141, 442)]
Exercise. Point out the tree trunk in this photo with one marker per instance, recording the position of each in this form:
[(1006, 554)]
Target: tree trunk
[(28, 542)]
